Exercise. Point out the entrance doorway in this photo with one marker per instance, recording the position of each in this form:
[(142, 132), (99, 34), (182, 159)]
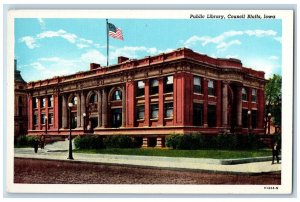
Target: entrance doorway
[(116, 117)]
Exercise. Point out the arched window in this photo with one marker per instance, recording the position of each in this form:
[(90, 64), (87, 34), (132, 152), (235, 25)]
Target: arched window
[(117, 95), (93, 98), (74, 100)]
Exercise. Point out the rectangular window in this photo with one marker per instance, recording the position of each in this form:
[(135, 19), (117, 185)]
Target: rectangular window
[(197, 84), (254, 94), (197, 114), (35, 119), (254, 118), (43, 118), (211, 89), (211, 115), (244, 94), (169, 110), (168, 84), (153, 86), (154, 111), (140, 88), (35, 103), (140, 112), (43, 104), (50, 119), (50, 101), (245, 118)]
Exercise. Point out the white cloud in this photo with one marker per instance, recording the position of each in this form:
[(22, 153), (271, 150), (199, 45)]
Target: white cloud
[(279, 39), (220, 40), (93, 56), (270, 67), (38, 66), (52, 59), (132, 52), (273, 57), (29, 41), (81, 45), (224, 45), (60, 33), (231, 56), (42, 23), (260, 33)]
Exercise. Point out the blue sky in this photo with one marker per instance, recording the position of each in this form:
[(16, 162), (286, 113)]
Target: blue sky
[(47, 47)]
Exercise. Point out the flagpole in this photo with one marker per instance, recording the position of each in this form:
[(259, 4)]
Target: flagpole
[(107, 42)]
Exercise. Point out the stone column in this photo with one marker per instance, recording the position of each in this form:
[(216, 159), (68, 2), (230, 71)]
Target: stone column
[(160, 102), (239, 106), (219, 103), (104, 108), (39, 113), (30, 113), (145, 142), (82, 110), (147, 104), (99, 107), (225, 104), (64, 112), (160, 142), (205, 104), (79, 114), (123, 107), (55, 111)]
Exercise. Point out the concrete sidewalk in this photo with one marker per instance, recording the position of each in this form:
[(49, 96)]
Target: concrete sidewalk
[(196, 164)]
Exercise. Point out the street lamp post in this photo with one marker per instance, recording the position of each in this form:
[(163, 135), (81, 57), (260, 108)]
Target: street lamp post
[(269, 123), (46, 125), (249, 113), (84, 115), (70, 135)]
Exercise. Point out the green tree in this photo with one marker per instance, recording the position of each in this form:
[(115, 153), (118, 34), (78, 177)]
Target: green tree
[(273, 98)]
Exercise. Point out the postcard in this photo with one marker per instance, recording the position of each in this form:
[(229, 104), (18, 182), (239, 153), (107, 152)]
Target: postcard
[(150, 101)]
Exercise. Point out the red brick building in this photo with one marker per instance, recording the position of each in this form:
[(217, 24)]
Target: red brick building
[(181, 91)]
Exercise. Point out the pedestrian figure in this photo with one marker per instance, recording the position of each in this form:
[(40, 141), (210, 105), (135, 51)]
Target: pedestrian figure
[(35, 145), (275, 152)]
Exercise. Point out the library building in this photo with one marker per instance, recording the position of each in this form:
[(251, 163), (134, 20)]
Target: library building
[(176, 92)]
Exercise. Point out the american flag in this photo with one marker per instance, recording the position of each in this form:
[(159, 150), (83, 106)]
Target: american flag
[(114, 32)]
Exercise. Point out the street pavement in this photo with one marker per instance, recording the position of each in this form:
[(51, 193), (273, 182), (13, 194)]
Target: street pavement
[(59, 152)]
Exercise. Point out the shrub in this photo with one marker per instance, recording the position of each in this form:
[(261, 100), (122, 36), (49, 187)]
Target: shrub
[(172, 140), (89, 142), (222, 141), (226, 141), (25, 141), (119, 141), (189, 141)]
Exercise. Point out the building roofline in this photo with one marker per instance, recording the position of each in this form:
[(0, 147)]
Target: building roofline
[(126, 64)]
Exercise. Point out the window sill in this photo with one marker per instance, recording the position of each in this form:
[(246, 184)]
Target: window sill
[(169, 93), (140, 120), (211, 96), (195, 93), (155, 119), (168, 118)]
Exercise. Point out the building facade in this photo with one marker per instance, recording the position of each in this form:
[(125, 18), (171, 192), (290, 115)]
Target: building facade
[(20, 104), (177, 92)]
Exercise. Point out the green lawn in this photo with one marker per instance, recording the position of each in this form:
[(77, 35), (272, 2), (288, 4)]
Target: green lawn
[(215, 154)]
